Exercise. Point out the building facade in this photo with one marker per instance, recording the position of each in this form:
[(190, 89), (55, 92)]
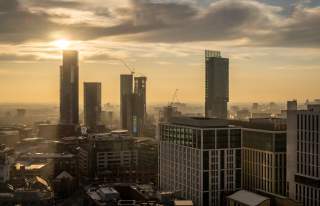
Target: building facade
[(216, 85), (126, 101), (69, 88), (200, 159), (140, 106), (303, 162), (92, 104), (264, 156), (111, 157)]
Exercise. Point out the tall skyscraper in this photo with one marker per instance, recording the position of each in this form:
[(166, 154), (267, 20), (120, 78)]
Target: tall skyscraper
[(69, 88), (303, 159), (139, 111), (92, 104), (126, 101), (200, 159), (217, 85)]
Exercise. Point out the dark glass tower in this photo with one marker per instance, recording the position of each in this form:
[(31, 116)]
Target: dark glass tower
[(139, 112), (69, 88), (217, 85), (92, 104), (126, 101)]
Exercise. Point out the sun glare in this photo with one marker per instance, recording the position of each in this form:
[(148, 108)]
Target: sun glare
[(62, 43)]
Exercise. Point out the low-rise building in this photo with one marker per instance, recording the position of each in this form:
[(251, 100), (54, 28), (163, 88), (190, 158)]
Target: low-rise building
[(246, 198), (109, 156)]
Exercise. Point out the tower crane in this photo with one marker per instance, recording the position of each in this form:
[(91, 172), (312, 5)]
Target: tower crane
[(131, 69), (174, 97)]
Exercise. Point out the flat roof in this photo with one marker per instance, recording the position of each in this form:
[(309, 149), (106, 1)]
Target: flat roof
[(183, 203), (248, 198), (199, 122)]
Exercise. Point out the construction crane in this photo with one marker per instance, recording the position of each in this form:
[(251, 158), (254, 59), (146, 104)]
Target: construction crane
[(131, 69), (174, 97)]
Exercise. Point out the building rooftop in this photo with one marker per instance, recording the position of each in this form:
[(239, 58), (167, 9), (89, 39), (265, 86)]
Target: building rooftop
[(314, 107), (199, 122), (183, 203), (39, 155), (271, 124), (247, 198)]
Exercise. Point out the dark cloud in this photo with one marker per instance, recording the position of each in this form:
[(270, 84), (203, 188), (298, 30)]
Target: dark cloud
[(19, 24), (150, 21), (221, 21), (14, 57), (56, 3), (301, 30), (100, 57)]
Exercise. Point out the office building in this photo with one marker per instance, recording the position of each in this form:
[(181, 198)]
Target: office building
[(92, 104), (264, 155), (200, 159), (111, 157), (126, 101), (139, 111), (69, 88), (303, 159), (217, 85)]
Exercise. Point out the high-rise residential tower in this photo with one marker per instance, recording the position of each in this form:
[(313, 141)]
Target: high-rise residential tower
[(92, 104), (126, 101), (139, 109), (217, 85), (303, 159), (69, 88), (200, 159)]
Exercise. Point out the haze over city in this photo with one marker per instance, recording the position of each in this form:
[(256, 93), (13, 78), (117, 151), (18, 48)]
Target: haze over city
[(273, 47), (159, 102)]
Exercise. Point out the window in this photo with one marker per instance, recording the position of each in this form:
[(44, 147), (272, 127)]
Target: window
[(222, 139), (235, 138)]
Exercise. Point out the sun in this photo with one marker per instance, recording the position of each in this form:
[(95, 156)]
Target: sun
[(61, 43)]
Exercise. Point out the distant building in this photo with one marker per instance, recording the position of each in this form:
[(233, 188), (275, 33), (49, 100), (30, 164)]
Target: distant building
[(6, 160), (56, 131), (303, 161), (92, 104), (168, 112), (217, 85), (69, 88), (139, 109), (126, 101), (21, 113), (243, 114), (107, 118), (292, 105), (200, 159), (9, 136)]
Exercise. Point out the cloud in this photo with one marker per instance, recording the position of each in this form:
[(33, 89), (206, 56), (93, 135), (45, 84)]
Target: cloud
[(302, 29), (14, 57), (100, 57), (169, 22), (56, 3), (19, 24)]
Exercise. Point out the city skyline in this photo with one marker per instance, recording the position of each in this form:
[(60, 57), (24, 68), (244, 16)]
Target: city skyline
[(267, 61)]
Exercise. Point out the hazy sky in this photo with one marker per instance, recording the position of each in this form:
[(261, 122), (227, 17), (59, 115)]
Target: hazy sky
[(273, 46)]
